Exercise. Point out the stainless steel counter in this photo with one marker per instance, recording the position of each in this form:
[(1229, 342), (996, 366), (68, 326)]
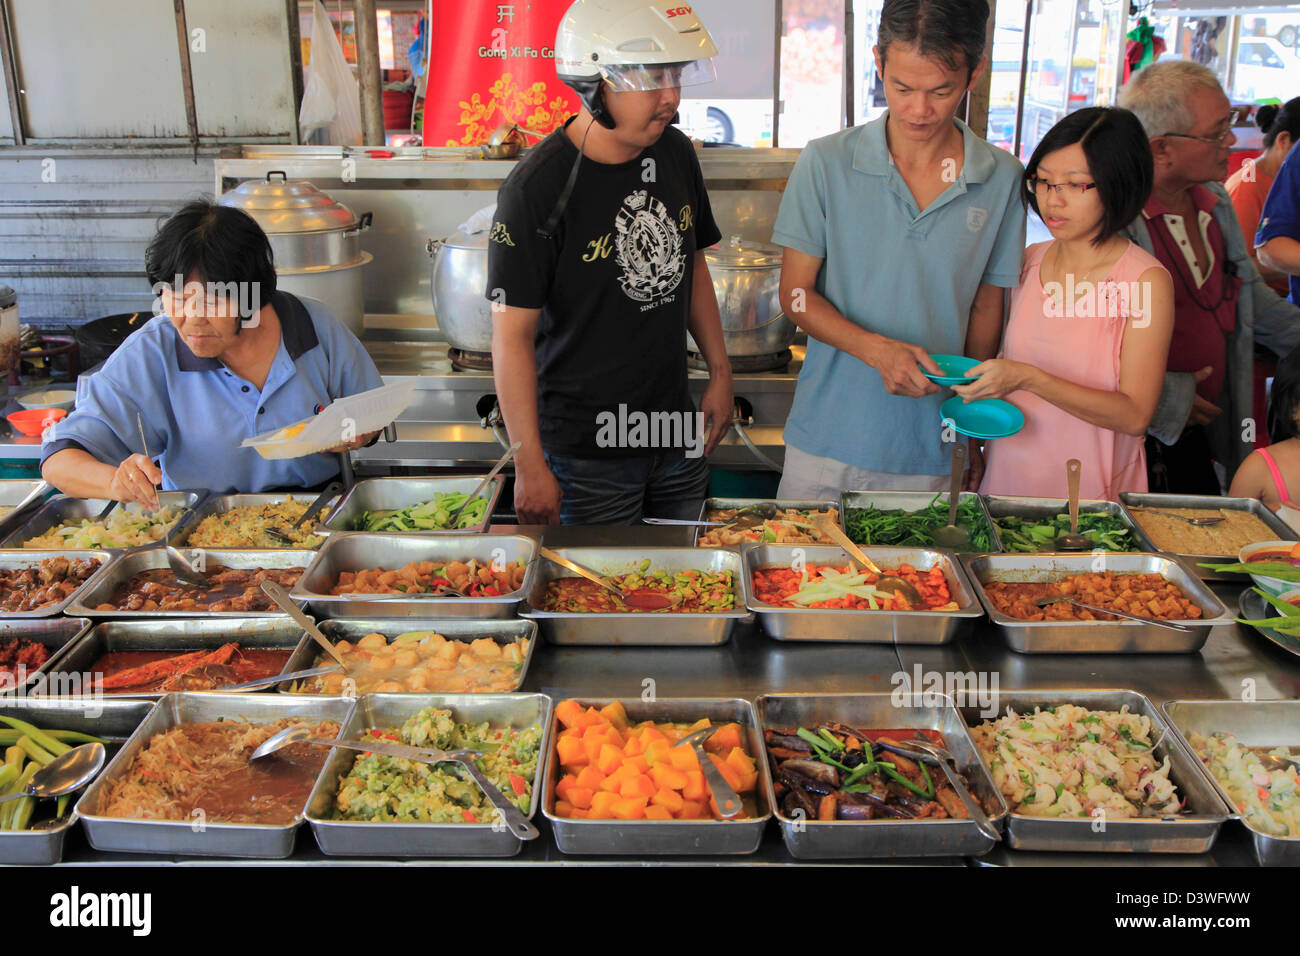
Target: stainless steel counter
[(752, 664)]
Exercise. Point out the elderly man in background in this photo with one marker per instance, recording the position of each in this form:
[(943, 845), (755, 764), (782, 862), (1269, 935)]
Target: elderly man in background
[(1221, 305)]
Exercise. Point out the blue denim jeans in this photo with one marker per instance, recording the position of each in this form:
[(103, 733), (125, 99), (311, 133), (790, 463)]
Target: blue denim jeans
[(624, 490)]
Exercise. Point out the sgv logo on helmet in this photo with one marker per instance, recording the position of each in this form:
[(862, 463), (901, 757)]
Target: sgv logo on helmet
[(680, 12)]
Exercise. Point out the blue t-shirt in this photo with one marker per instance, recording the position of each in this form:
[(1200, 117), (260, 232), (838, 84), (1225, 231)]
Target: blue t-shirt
[(1281, 213), (196, 411), (899, 271)]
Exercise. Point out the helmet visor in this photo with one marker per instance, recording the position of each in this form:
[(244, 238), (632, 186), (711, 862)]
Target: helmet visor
[(657, 76)]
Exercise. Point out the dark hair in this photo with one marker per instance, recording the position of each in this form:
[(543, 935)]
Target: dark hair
[(950, 31), (1283, 399), (1276, 119), (208, 242), (1119, 161)]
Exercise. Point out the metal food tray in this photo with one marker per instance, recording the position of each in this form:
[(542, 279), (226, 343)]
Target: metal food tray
[(15, 558), (1261, 723), (394, 494), (1097, 637), (884, 836), (71, 674), (1252, 607), (23, 495), (218, 504), (668, 837), (111, 720), (461, 629), (1039, 509), (910, 501), (58, 634), (1194, 831), (714, 504), (1282, 531), (839, 624), (406, 840), (63, 509), (356, 552), (188, 837), (639, 627), (100, 590)]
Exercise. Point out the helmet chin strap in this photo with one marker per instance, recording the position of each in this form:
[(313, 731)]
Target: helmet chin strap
[(547, 229)]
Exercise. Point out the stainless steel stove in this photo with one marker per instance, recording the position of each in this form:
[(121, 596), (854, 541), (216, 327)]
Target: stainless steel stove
[(455, 422)]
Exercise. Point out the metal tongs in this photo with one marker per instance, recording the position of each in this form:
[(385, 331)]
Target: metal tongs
[(1070, 599), (925, 751), (184, 571), (316, 507)]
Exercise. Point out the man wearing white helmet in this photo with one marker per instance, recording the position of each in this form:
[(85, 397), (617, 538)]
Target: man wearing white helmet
[(596, 270)]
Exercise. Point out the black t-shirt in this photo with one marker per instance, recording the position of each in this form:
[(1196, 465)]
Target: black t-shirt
[(613, 283)]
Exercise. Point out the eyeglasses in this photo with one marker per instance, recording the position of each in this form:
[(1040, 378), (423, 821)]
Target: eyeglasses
[(1218, 140), (1067, 189)]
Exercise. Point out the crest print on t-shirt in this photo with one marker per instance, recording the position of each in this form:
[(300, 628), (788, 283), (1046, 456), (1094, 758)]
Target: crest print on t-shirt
[(649, 248)]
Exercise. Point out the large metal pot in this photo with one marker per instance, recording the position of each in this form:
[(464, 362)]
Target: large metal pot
[(747, 281), (458, 278), (316, 241)]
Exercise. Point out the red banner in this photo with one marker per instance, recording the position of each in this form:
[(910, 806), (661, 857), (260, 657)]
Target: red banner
[(492, 63)]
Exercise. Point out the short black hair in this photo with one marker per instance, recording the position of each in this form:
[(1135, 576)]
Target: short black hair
[(1276, 119), (211, 243), (1283, 399), (950, 31), (1119, 161)]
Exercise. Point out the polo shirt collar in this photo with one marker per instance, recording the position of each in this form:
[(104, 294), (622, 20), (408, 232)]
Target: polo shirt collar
[(871, 154), (296, 332), (1202, 199)]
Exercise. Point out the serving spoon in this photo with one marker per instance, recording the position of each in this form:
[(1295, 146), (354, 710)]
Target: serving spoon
[(940, 756), (514, 819), (281, 598), (1073, 541), (724, 795), (950, 536), (640, 600), (67, 772), (1198, 522), (884, 582)]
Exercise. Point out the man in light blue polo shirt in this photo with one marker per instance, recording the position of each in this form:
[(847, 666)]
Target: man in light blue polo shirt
[(214, 370), (901, 236)]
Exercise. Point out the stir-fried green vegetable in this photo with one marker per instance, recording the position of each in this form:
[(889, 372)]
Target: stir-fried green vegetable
[(1106, 532), (432, 515), (1287, 623), (916, 528), (1283, 571)]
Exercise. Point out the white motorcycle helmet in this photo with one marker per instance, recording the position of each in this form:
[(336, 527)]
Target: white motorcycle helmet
[(631, 45)]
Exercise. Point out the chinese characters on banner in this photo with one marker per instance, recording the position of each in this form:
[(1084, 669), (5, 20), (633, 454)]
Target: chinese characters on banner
[(492, 63)]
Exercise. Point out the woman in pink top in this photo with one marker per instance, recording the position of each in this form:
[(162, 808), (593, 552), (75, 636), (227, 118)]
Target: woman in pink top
[(1084, 351), (1272, 474)]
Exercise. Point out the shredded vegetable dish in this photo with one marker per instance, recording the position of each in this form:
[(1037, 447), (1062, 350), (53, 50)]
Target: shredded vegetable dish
[(247, 526), (1269, 800), (1071, 762), (847, 589), (206, 767), (698, 592), (394, 789), (124, 528)]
